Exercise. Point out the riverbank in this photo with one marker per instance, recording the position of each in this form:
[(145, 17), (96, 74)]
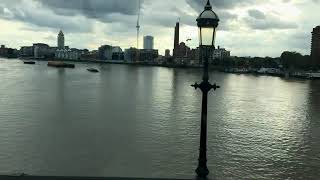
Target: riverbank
[(300, 74), (119, 62), (308, 75)]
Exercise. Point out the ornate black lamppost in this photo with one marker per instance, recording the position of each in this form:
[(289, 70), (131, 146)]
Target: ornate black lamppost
[(207, 23)]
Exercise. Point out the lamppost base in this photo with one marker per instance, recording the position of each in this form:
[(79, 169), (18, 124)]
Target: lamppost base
[(202, 171)]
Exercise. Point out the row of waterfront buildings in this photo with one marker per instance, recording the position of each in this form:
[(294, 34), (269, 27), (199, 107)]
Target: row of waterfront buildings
[(104, 52), (44, 51), (182, 54)]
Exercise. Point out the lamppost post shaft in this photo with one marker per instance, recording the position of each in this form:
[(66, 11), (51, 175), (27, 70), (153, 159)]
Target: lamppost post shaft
[(205, 54), (205, 87)]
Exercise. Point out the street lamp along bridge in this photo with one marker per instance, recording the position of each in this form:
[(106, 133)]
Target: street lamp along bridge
[(207, 22)]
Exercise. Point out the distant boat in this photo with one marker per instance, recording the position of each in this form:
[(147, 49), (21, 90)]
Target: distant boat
[(93, 70), (60, 64), (29, 62)]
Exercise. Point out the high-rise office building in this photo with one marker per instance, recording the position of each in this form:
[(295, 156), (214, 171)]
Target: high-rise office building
[(315, 46), (176, 39), (60, 40), (148, 42)]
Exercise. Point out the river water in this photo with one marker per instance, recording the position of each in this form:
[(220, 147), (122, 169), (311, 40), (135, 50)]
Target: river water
[(134, 121)]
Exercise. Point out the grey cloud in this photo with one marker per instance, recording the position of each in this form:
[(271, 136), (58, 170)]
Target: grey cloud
[(18, 11), (270, 24), (51, 38), (49, 21), (71, 15), (259, 20), (92, 8), (224, 16), (256, 14), (221, 7), (296, 41), (221, 4), (106, 11), (168, 19), (300, 40)]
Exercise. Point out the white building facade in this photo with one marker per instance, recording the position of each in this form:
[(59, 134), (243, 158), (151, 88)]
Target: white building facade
[(68, 54), (221, 53)]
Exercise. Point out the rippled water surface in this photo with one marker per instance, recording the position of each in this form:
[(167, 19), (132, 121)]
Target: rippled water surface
[(144, 122)]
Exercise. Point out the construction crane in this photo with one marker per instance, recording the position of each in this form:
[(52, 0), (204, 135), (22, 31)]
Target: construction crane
[(138, 25)]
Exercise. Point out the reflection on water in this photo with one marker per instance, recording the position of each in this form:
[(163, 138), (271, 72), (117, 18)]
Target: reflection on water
[(144, 122)]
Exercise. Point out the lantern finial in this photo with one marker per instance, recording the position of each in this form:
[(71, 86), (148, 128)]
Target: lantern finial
[(208, 6)]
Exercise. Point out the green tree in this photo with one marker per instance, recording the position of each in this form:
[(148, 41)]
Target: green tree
[(292, 60)]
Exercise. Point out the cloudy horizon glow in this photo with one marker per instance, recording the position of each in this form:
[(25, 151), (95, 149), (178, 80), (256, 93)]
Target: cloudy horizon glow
[(247, 27)]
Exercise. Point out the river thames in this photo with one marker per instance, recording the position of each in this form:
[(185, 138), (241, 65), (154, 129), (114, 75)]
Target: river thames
[(135, 121)]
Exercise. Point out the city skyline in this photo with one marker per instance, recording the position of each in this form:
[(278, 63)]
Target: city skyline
[(247, 29)]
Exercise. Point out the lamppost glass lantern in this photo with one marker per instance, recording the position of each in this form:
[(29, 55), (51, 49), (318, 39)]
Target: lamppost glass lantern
[(207, 22)]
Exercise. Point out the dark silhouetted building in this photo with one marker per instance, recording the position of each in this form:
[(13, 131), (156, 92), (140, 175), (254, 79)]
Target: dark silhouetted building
[(26, 51), (8, 52), (3, 51), (105, 52), (182, 54), (194, 56), (167, 53), (315, 47), (41, 50), (176, 39), (183, 50), (117, 53), (118, 56), (90, 55), (148, 55), (131, 55)]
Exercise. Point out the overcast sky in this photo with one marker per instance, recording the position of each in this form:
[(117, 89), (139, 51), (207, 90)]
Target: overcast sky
[(247, 28)]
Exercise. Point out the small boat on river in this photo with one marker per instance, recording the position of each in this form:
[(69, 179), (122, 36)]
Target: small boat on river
[(93, 70), (29, 62)]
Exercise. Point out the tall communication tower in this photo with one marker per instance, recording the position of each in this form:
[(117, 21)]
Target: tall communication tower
[(138, 25)]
